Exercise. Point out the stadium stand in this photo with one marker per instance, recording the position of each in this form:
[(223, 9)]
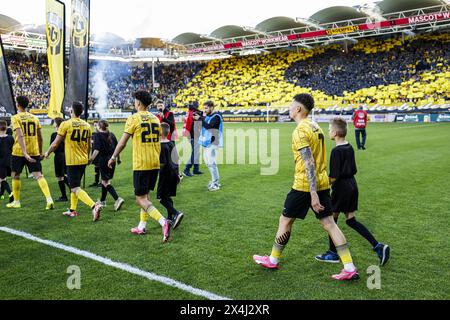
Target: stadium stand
[(399, 70), (396, 70)]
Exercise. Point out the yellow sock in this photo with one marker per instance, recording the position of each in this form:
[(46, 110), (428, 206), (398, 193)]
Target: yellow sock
[(84, 197), (44, 187), (277, 250), (73, 201), (16, 189), (156, 215), (344, 254), (144, 216)]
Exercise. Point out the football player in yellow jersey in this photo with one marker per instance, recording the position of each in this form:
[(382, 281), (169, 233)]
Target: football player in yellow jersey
[(311, 189), (76, 134), (27, 151), (145, 130)]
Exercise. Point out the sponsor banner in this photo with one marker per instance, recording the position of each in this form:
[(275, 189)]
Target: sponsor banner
[(442, 117), (115, 115), (55, 31), (421, 19), (228, 118), (419, 118), (284, 118), (342, 30), (77, 79), (38, 111), (7, 106)]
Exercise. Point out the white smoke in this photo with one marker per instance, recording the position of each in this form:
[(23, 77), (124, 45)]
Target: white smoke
[(100, 89)]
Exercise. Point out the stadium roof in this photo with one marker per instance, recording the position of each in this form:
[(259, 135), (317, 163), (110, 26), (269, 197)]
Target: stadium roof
[(278, 23), (389, 6), (337, 13), (231, 31), (327, 15), (8, 24), (189, 37)]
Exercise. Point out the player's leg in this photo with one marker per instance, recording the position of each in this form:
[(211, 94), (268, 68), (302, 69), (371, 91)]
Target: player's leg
[(326, 220), (349, 272), (77, 173), (296, 206), (144, 182), (331, 255), (62, 189), (36, 170), (17, 165), (382, 250)]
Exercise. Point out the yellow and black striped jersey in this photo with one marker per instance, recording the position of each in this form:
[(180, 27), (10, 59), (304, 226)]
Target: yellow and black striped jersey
[(29, 124), (309, 134), (146, 131), (77, 135)]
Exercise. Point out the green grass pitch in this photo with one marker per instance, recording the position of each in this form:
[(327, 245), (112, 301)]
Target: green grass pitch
[(404, 182)]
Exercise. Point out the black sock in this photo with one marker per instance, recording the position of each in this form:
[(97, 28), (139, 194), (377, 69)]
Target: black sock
[(112, 192), (97, 175), (104, 193), (362, 230), (5, 187), (168, 204), (2, 188), (66, 181), (62, 187), (332, 246)]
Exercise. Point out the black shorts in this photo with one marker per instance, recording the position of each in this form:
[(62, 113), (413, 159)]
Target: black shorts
[(5, 171), (167, 185), (17, 164), (106, 173), (297, 204), (74, 175), (60, 165), (344, 196), (144, 181)]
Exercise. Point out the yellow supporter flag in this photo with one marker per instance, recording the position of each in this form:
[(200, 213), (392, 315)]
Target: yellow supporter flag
[(55, 31)]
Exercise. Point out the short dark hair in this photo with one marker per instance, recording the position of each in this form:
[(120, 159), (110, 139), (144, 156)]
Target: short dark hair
[(143, 96), (3, 125), (77, 107), (165, 129), (23, 101), (305, 99), (58, 121), (340, 126), (209, 103)]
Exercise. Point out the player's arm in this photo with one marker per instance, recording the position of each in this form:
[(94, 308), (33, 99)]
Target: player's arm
[(310, 170), (94, 155), (40, 141), (23, 146), (54, 146), (119, 148)]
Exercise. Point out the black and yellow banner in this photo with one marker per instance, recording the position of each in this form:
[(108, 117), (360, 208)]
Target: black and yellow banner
[(55, 32), (77, 79), (7, 106)]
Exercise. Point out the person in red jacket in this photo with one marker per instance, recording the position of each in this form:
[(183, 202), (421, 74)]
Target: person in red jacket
[(164, 115), (191, 130), (360, 123)]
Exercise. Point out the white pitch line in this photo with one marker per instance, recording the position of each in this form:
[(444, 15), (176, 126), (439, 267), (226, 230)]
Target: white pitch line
[(117, 265)]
